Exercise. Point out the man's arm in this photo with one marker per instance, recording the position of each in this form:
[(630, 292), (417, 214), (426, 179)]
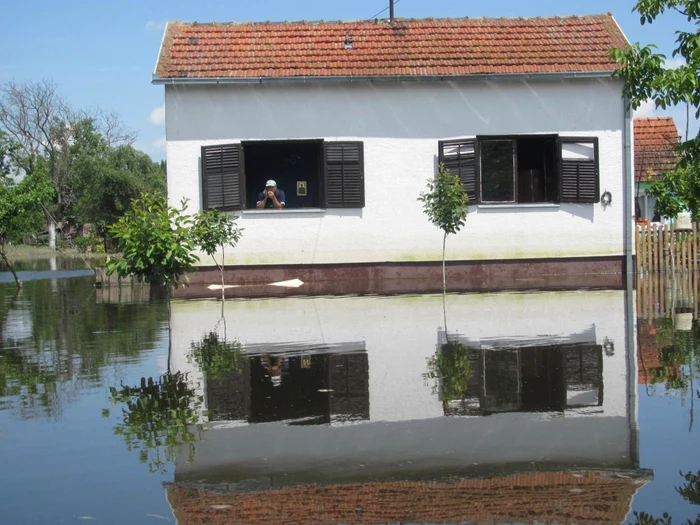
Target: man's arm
[(261, 203), (278, 201)]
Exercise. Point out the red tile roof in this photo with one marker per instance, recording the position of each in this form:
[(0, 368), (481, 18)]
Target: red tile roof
[(551, 497), (425, 47), (654, 139)]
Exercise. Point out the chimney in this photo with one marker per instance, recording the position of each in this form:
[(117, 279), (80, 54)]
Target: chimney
[(391, 11)]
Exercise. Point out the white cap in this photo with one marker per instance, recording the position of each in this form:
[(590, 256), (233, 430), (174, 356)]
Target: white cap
[(270, 183)]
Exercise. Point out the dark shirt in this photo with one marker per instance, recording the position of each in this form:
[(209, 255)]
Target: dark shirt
[(270, 204)]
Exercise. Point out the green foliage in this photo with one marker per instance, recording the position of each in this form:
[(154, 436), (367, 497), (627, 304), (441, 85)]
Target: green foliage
[(158, 417), (214, 230), (676, 192), (215, 357), (646, 78), (20, 206), (105, 179), (445, 201), (690, 490), (156, 241), (450, 369)]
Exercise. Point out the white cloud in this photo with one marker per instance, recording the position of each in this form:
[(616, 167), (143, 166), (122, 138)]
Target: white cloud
[(157, 116), (674, 62), (154, 27), (647, 109)]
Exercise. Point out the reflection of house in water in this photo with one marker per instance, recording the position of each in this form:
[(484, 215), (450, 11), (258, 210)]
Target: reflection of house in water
[(529, 379), (550, 370), (301, 388)]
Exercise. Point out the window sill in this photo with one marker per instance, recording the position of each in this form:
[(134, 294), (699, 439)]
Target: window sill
[(517, 206), (291, 211)]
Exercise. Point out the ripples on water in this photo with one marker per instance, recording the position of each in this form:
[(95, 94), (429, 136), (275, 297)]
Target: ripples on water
[(532, 407)]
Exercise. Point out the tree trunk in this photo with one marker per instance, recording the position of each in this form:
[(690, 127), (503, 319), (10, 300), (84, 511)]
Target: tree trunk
[(12, 269), (51, 227)]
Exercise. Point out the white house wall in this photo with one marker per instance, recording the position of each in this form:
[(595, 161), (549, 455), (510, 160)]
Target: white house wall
[(400, 125)]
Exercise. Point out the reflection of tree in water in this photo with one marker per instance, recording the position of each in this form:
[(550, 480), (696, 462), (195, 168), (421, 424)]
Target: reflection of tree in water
[(215, 357), (158, 417), (69, 341), (690, 490), (450, 370)]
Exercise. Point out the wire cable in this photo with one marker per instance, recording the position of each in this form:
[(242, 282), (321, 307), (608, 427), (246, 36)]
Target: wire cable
[(380, 12)]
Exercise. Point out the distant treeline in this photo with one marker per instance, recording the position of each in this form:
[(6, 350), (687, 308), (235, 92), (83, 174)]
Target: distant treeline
[(65, 168)]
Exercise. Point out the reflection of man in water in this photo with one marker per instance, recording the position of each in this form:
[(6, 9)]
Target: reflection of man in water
[(275, 366)]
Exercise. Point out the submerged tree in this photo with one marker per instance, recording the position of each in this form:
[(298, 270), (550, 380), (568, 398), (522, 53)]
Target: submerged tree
[(646, 77), (445, 203), (214, 230), (156, 241)]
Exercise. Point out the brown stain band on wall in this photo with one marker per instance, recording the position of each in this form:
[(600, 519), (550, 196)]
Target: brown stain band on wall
[(411, 277)]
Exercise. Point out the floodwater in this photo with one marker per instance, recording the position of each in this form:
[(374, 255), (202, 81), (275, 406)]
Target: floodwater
[(538, 407)]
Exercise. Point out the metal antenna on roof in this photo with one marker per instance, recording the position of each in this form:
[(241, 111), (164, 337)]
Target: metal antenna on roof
[(391, 11)]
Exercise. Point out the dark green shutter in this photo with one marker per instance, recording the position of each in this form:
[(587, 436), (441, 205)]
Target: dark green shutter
[(579, 179), (223, 180), (459, 157), (344, 175)]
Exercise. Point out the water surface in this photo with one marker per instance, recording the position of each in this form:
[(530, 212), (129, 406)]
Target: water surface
[(528, 407)]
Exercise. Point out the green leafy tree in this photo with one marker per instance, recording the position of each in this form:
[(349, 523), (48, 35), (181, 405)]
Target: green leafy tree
[(21, 210), (446, 204), (107, 178), (214, 230), (646, 78), (156, 241)]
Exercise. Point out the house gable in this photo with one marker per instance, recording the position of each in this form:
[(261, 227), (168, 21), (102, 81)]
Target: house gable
[(654, 142)]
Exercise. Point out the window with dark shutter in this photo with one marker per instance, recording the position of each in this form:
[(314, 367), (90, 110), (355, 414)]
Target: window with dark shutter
[(223, 180), (459, 157), (344, 175), (579, 177)]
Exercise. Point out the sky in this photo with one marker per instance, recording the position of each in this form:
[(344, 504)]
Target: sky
[(103, 53)]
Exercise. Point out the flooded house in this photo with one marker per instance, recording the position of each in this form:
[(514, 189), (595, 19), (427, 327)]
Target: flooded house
[(350, 119), (365, 409)]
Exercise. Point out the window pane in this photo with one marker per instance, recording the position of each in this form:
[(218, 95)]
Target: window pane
[(497, 180)]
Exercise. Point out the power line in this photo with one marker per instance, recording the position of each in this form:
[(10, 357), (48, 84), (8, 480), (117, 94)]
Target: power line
[(380, 12)]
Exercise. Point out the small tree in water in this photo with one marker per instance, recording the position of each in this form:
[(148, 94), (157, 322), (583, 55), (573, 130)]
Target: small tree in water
[(157, 242), (446, 204), (214, 230)]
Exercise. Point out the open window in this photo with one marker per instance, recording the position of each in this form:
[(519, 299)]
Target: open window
[(524, 169), (312, 173)]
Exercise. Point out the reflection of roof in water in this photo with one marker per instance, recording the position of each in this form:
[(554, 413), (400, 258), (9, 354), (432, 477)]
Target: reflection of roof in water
[(563, 497)]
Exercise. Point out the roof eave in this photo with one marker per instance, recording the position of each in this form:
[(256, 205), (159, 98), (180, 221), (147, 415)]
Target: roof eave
[(383, 78)]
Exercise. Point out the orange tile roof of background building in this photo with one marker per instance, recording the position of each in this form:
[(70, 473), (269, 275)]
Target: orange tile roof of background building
[(420, 47), (549, 497), (654, 139)]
